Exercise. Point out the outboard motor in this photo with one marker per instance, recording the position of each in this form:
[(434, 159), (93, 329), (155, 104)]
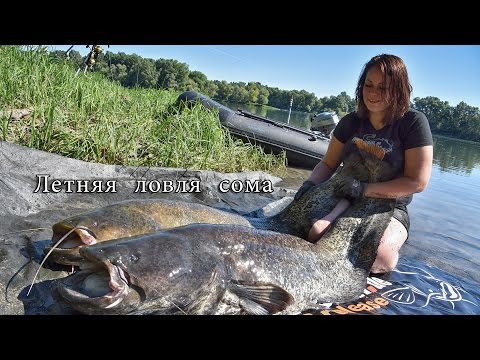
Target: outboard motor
[(324, 123)]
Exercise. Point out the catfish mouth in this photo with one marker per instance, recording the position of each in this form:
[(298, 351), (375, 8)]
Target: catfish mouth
[(67, 252), (97, 288), (80, 236)]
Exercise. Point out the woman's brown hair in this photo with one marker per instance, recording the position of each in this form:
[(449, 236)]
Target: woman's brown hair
[(398, 93)]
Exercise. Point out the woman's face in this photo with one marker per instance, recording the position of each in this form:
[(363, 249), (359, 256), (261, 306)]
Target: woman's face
[(374, 90)]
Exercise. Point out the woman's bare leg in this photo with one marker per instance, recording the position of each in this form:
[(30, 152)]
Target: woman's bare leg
[(321, 226), (392, 240)]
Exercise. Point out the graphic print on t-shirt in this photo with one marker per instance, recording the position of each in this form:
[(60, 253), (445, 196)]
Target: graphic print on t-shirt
[(373, 145)]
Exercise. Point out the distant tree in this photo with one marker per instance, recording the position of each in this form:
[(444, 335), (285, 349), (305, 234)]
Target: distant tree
[(172, 74), (263, 96), (224, 90), (468, 120), (438, 113), (118, 72), (198, 81), (211, 89), (142, 74), (253, 92), (73, 57), (240, 94)]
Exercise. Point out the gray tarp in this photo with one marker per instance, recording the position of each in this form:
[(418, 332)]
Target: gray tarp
[(21, 208)]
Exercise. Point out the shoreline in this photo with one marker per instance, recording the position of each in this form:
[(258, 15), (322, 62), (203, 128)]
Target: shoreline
[(458, 139)]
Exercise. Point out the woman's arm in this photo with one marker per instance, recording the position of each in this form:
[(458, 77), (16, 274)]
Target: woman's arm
[(417, 172), (330, 162)]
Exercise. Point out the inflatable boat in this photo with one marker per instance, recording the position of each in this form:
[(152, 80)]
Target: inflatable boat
[(303, 148)]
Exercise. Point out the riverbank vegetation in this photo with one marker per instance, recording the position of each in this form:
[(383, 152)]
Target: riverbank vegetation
[(46, 106), (461, 121)]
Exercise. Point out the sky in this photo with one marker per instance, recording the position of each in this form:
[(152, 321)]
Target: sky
[(448, 72)]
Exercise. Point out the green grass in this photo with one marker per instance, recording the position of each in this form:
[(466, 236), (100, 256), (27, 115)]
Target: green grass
[(87, 117)]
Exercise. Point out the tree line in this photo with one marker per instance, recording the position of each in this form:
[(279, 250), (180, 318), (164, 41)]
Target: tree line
[(461, 121)]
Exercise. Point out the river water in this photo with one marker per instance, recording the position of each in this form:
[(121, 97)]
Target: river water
[(439, 268)]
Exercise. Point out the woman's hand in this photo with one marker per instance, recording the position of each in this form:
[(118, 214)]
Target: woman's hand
[(350, 188)]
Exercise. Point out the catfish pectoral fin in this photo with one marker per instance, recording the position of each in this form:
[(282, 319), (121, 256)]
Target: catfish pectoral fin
[(260, 298)]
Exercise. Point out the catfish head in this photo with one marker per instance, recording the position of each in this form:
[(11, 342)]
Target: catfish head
[(103, 224), (149, 273)]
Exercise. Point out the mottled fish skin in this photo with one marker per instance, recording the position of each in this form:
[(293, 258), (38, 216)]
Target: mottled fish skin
[(135, 217), (298, 217), (228, 269), (231, 269), (130, 218)]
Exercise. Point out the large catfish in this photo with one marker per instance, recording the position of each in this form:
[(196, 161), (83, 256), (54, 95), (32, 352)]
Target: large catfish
[(135, 217), (228, 269), (129, 218), (298, 217)]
